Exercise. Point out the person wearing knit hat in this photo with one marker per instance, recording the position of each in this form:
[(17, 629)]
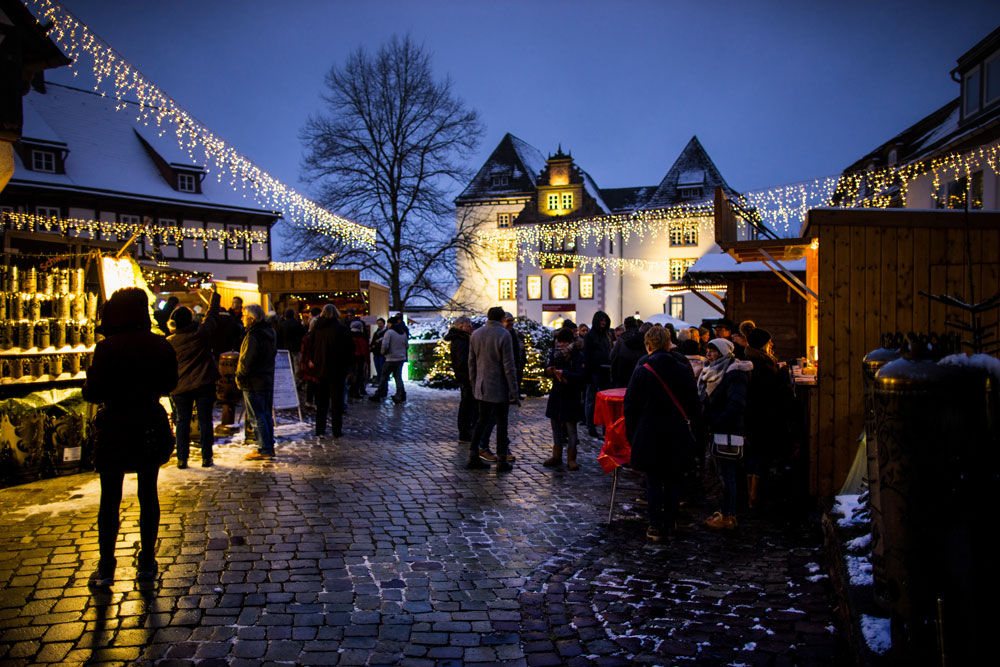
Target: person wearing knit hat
[(758, 338), (765, 420), (722, 387), (131, 368)]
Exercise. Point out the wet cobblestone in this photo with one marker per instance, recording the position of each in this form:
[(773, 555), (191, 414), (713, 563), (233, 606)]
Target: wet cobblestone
[(380, 548)]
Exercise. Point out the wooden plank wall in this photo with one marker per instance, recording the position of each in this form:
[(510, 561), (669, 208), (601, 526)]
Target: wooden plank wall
[(773, 306), (872, 266)]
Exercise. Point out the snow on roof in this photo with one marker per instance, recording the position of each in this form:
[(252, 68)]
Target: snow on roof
[(106, 155), (664, 319), (720, 262), (692, 177), (531, 158), (593, 191), (948, 126), (512, 156)]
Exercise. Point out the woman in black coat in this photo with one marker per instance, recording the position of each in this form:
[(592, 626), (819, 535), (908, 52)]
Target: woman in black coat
[(767, 397), (131, 369), (658, 429), (722, 387), (564, 409)]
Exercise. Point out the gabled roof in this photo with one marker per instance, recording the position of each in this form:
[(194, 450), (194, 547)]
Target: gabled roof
[(518, 160), (693, 168), (106, 156), (620, 200)]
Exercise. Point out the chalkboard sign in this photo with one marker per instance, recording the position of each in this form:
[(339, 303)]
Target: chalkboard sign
[(285, 395)]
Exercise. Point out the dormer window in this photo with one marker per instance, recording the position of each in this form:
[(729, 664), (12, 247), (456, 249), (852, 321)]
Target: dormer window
[(500, 180), (187, 182), (893, 156), (43, 160), (690, 193)]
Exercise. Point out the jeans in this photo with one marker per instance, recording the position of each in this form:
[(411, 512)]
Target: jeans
[(204, 399), (330, 398), (259, 405), (497, 412), (108, 516), (727, 473), (379, 362), (466, 414), (394, 368), (663, 494)]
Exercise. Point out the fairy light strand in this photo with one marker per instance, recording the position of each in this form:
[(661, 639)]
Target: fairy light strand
[(111, 70)]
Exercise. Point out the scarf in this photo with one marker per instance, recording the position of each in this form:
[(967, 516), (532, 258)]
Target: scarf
[(712, 375)]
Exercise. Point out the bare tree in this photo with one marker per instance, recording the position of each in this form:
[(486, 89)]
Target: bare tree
[(386, 152)]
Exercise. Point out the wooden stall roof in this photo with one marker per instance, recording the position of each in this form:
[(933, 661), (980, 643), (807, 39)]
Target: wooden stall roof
[(779, 249), (896, 217), (306, 281)]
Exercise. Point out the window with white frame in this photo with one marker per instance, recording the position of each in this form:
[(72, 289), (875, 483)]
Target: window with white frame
[(47, 212), (567, 200), (534, 287), (507, 250), (586, 285), (42, 160), (553, 202), (500, 180), (504, 220), (676, 305), (678, 267), (508, 287), (187, 182), (690, 192), (237, 250), (168, 242), (684, 233), (970, 92), (559, 287)]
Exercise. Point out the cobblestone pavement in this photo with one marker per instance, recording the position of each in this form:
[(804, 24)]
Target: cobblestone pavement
[(380, 548)]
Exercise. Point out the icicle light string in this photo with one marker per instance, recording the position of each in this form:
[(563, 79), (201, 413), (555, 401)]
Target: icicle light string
[(779, 207), (324, 262), (167, 235), (193, 137)]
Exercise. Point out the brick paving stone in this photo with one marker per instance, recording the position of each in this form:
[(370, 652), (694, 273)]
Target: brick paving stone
[(380, 548)]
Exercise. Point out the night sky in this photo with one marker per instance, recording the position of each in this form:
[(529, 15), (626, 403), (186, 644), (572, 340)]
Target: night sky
[(777, 92)]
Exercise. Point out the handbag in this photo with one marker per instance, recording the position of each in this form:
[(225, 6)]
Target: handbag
[(727, 446), (132, 442), (674, 399)]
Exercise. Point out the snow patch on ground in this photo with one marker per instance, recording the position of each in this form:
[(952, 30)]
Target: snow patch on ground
[(860, 544), (812, 567), (859, 570), (817, 577), (846, 507), (877, 633)]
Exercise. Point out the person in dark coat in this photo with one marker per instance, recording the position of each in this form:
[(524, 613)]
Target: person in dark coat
[(722, 388), (131, 368), (628, 349), (307, 373), (255, 376), (359, 367), (197, 374), (657, 428), (520, 350), (290, 335), (493, 374), (565, 367), (597, 360), (332, 355), (767, 396), (458, 337)]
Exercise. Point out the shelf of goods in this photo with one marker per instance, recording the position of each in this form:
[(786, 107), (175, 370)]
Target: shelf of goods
[(47, 338)]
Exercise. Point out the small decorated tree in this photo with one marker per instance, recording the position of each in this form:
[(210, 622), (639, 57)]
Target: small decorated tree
[(441, 376), (534, 382)]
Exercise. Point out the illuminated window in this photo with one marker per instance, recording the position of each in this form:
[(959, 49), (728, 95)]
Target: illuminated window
[(559, 287), (504, 219), (187, 182), (507, 250), (678, 267), (43, 161), (684, 233), (567, 200), (676, 307), (976, 190), (586, 285), (970, 92), (507, 289), (553, 201), (534, 287)]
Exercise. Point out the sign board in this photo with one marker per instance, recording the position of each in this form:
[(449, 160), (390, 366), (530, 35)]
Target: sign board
[(285, 395)]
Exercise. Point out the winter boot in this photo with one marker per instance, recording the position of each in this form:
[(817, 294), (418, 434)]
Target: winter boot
[(556, 458), (571, 463)]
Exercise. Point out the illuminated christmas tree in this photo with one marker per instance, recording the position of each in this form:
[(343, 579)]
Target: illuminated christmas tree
[(534, 382), (441, 376)]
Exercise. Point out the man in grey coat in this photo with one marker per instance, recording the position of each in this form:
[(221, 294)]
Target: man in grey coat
[(493, 374)]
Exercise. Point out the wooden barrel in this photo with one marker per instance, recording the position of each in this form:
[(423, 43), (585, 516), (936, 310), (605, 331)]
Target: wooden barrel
[(225, 389)]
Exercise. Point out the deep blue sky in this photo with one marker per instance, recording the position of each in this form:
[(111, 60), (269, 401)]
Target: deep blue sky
[(776, 91)]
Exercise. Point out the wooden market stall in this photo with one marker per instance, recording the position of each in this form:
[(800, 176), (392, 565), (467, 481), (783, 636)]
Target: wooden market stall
[(866, 270), (303, 289)]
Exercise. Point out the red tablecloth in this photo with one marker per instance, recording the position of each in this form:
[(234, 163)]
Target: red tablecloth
[(609, 412)]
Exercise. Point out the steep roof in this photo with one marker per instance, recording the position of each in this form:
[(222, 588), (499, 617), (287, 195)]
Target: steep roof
[(106, 156), (693, 168), (621, 200), (517, 160)]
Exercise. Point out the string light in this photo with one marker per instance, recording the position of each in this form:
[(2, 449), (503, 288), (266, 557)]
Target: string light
[(157, 278), (324, 262), (193, 137), (168, 235)]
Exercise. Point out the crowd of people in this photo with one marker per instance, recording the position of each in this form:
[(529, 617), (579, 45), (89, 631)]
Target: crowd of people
[(689, 395)]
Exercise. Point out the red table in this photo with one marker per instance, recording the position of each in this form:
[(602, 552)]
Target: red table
[(609, 412)]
